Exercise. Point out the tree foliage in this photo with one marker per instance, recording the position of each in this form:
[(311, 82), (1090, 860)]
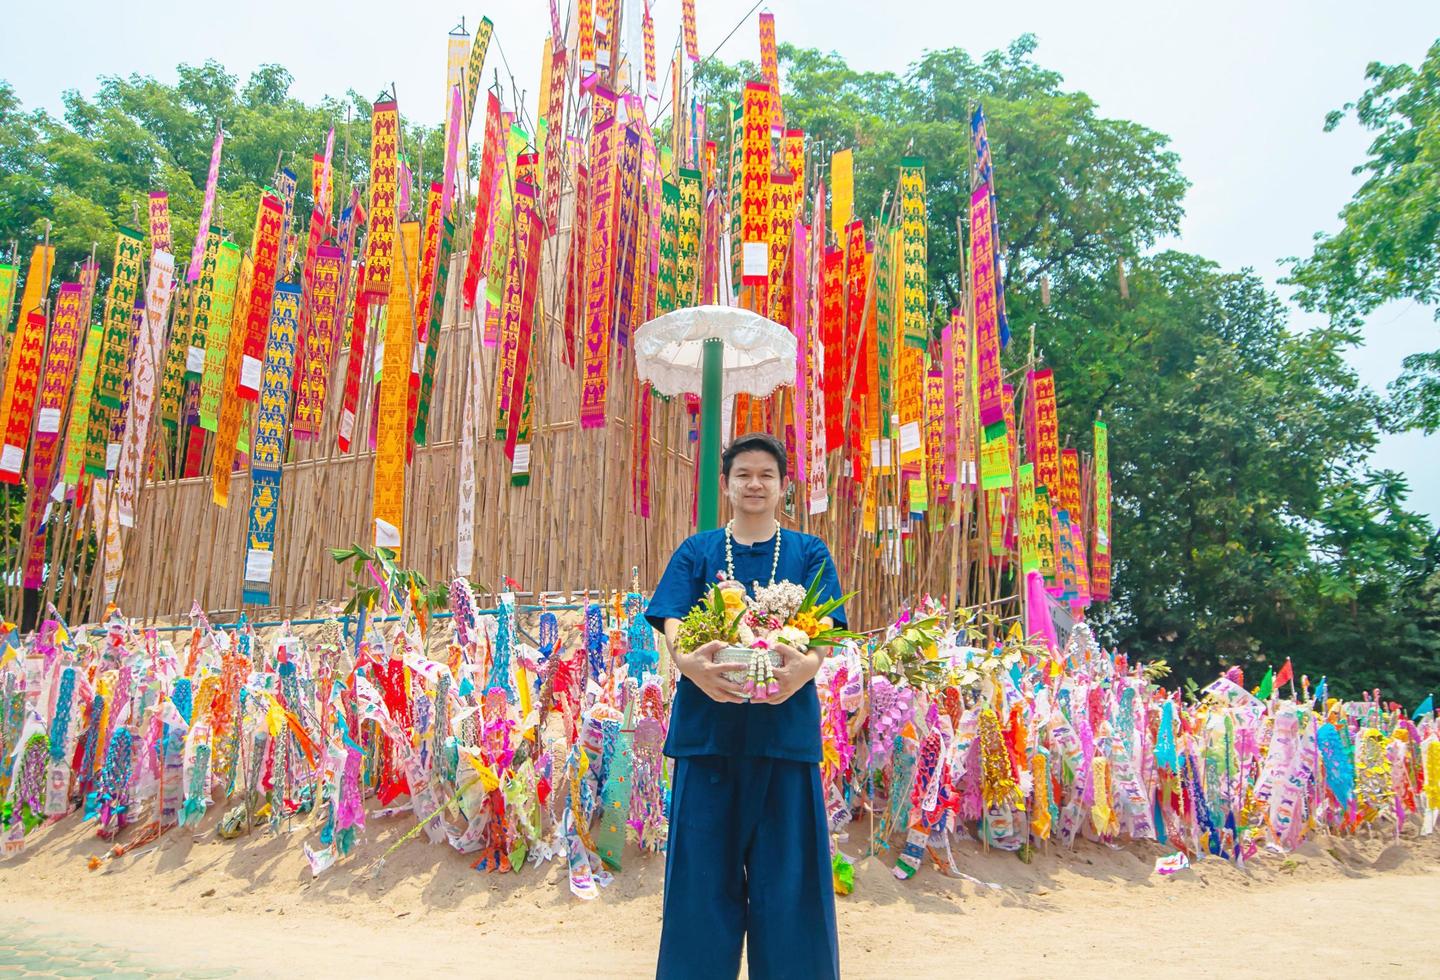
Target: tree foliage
[(90, 172), (1388, 247), (1247, 526)]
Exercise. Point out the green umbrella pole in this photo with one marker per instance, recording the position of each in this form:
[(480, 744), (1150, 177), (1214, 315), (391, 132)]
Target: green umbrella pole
[(711, 373)]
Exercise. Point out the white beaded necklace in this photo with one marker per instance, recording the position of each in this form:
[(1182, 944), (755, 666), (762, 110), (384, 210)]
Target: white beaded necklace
[(730, 555)]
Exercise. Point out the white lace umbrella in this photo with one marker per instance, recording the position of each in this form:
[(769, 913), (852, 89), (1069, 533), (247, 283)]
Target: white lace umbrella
[(715, 352)]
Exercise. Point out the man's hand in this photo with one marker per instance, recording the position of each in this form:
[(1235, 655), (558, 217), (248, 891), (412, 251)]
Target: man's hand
[(713, 678), (795, 671)]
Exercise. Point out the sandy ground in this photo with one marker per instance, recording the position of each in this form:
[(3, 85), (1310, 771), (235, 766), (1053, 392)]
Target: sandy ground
[(1368, 906)]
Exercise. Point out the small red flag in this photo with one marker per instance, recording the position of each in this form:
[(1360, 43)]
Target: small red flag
[(1287, 673)]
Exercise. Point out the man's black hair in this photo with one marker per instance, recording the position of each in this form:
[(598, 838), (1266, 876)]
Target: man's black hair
[(752, 442)]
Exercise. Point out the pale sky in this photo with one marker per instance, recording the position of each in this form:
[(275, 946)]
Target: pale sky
[(1241, 87)]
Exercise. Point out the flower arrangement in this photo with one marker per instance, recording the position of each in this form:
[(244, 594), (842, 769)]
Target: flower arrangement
[(781, 613)]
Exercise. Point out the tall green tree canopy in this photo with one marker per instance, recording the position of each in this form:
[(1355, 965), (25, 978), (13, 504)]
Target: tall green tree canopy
[(1388, 247)]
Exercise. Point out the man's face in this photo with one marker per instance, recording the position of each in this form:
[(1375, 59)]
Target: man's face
[(754, 485)]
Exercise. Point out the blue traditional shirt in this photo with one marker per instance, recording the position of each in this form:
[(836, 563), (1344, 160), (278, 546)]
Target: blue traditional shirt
[(700, 726)]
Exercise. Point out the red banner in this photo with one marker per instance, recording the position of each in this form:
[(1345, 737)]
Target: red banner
[(1070, 484), (475, 261), (575, 263), (987, 335), (832, 339), (755, 187), (527, 241), (600, 266), (770, 68), (351, 394), (384, 186), (692, 42), (25, 356), (61, 358), (319, 342), (266, 252), (554, 144), (1046, 446)]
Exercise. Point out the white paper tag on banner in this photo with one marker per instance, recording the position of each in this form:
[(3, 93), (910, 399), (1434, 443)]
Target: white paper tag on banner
[(387, 535), (48, 420), (521, 463), (347, 424), (879, 452), (250, 373), (194, 360), (909, 439), (756, 259), (602, 24), (112, 456), (11, 459), (258, 565)]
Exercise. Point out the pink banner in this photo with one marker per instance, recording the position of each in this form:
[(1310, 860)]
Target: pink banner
[(800, 313), (452, 151), (197, 254), (987, 325)]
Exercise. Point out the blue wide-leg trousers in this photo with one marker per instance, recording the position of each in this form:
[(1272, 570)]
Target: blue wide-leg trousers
[(748, 859)]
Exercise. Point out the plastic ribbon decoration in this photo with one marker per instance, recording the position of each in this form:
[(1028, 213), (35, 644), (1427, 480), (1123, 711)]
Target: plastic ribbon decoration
[(500, 674), (595, 639)]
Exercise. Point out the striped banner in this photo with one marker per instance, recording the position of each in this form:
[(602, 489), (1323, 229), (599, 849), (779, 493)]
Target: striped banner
[(268, 450)]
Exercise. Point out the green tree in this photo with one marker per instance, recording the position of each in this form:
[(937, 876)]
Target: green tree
[(90, 172), (1389, 245)]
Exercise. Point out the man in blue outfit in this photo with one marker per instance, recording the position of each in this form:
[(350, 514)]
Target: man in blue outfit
[(749, 851)]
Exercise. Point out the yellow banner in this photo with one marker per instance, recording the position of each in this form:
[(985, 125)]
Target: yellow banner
[(227, 433), (842, 190), (393, 430)]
